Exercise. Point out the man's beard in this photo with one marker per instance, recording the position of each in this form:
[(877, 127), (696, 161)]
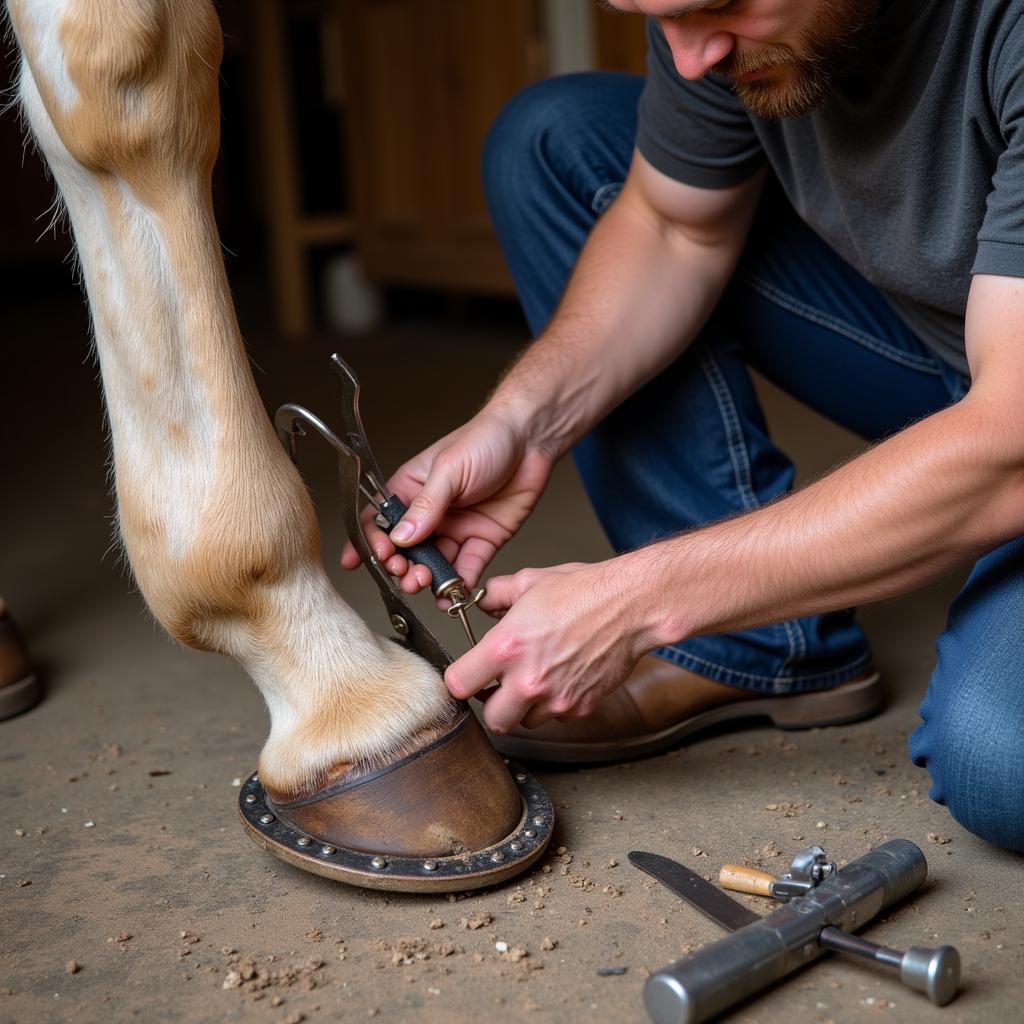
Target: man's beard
[(812, 72)]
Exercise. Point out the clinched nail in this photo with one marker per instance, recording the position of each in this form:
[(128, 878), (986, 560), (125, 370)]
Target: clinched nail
[(403, 531)]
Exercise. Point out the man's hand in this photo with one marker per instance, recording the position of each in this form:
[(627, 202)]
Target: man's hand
[(619, 323), (474, 487), (568, 636)]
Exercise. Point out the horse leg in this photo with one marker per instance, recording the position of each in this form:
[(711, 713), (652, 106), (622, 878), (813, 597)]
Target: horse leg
[(122, 99)]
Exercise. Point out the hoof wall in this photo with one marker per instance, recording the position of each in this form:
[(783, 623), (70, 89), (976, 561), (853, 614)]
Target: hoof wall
[(471, 870)]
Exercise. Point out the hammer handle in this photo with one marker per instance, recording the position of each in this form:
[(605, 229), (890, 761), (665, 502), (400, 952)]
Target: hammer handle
[(743, 879)]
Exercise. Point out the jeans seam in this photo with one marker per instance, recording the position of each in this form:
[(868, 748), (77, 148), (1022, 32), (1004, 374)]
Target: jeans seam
[(816, 316), (740, 458), (738, 454), (797, 648), (687, 660)]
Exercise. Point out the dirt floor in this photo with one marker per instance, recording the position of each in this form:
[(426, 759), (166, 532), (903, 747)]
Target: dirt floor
[(129, 891)]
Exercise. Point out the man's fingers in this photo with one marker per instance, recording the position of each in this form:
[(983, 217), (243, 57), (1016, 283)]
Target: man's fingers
[(475, 670), (378, 542), (415, 580), (505, 709), (537, 715), (448, 547), (396, 565), (427, 508), (350, 557), (504, 591), (473, 558)]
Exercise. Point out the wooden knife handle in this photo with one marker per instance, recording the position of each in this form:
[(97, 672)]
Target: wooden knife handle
[(742, 879)]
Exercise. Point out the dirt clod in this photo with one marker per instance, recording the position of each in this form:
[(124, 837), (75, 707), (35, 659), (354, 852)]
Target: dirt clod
[(406, 950), (72, 967), (252, 977)]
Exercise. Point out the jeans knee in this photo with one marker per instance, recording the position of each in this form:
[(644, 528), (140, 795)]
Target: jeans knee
[(975, 756), (548, 128)]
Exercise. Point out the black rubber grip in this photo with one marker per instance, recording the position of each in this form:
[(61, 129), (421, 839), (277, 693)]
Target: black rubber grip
[(425, 553)]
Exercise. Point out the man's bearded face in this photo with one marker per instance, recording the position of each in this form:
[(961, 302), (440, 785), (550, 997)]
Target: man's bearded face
[(784, 81)]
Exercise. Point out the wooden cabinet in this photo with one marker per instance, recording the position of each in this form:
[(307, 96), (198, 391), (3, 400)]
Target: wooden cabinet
[(294, 229), (417, 84), (424, 80)]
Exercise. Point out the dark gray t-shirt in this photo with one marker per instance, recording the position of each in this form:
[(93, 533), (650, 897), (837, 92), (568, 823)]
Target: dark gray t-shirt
[(913, 172)]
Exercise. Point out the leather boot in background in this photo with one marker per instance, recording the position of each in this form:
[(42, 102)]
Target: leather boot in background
[(20, 687)]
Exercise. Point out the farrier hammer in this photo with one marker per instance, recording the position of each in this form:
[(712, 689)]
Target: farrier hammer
[(723, 973)]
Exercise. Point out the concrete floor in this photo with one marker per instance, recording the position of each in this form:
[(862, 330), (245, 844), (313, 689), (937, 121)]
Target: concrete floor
[(120, 848)]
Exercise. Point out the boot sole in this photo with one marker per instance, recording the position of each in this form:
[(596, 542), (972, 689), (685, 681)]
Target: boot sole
[(20, 696), (850, 702)]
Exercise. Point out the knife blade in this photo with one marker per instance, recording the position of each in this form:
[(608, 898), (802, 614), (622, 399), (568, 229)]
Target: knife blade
[(689, 886)]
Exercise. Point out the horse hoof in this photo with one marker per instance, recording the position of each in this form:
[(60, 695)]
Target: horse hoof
[(450, 816)]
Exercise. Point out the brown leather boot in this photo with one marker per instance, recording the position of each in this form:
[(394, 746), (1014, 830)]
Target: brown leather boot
[(661, 704), (20, 687)]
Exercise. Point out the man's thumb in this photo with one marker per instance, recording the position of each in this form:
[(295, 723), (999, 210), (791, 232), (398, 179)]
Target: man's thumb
[(425, 511)]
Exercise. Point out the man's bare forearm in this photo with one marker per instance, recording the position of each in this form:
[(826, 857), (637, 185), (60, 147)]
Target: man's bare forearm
[(642, 289), (938, 494)]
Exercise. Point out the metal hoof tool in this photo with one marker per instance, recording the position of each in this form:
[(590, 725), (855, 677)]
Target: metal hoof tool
[(445, 581), (822, 905), (362, 476)]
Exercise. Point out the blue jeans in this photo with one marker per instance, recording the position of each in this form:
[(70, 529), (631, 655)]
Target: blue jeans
[(692, 446)]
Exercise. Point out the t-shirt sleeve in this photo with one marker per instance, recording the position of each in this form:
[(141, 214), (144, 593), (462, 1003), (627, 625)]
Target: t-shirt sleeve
[(698, 132), (1001, 238)]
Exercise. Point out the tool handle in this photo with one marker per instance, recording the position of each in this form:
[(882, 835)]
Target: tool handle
[(743, 879), (425, 553), (935, 972)]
